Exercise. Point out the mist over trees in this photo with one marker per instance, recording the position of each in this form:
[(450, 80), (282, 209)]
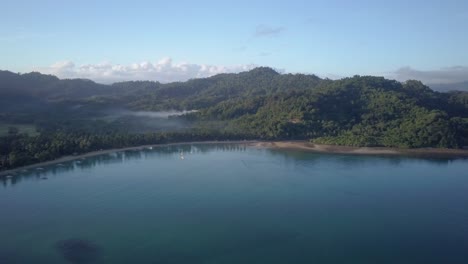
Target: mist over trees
[(72, 116)]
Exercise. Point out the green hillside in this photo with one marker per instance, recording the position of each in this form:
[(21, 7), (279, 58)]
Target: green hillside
[(73, 116)]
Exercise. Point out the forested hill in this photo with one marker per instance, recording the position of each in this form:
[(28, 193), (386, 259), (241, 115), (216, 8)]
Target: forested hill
[(259, 104), (41, 86), (148, 95), (206, 92), (357, 111)]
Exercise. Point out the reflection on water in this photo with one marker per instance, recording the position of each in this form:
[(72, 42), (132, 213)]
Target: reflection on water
[(292, 158), (39, 173), (231, 203), (304, 157)]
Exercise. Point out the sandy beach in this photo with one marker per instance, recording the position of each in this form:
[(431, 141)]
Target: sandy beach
[(307, 146), (288, 145)]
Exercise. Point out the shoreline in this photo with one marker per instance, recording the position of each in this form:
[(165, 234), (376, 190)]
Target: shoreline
[(107, 151), (336, 149), (286, 145)]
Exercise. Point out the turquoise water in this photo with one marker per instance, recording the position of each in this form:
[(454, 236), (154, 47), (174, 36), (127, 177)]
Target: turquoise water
[(236, 204)]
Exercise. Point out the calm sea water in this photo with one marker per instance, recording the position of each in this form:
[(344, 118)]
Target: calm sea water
[(236, 204)]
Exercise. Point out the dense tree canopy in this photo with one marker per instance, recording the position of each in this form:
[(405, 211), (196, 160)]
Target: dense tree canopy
[(70, 115)]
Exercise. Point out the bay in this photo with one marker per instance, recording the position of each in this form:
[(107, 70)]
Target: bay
[(234, 203)]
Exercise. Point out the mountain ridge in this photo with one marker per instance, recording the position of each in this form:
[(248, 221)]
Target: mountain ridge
[(77, 116)]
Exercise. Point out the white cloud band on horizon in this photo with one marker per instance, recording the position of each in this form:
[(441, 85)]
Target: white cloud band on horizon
[(446, 75), (163, 71), (166, 71)]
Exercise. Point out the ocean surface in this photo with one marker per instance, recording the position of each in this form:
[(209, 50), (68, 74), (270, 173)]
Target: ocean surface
[(231, 203)]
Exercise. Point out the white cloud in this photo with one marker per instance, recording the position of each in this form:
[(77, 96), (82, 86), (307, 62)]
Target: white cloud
[(447, 75), (164, 70), (268, 31)]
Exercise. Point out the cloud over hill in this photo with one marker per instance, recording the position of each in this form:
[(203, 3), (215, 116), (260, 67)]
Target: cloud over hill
[(164, 70)]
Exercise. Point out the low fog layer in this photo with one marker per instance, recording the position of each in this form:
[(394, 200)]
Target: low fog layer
[(147, 121), (159, 114)]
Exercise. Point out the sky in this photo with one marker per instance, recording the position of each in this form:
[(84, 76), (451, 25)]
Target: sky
[(109, 41)]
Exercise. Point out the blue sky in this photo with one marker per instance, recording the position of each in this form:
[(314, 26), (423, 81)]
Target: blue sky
[(329, 38)]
